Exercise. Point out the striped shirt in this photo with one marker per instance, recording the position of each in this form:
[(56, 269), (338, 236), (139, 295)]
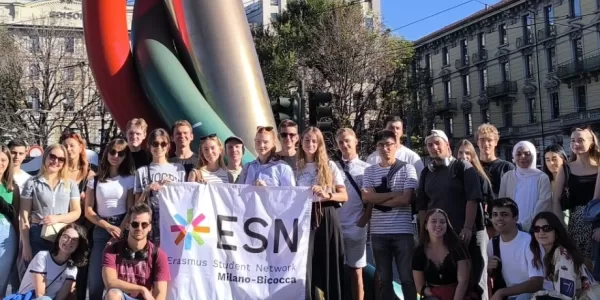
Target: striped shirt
[(399, 219), (352, 210), (218, 176)]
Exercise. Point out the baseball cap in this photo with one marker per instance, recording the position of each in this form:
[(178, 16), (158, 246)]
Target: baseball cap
[(437, 133), (234, 138)]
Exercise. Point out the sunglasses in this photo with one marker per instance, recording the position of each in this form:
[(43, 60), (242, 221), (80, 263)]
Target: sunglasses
[(284, 135), (545, 228), (265, 128), (60, 159), (136, 225), (114, 152), (210, 136), (67, 135), (161, 144)]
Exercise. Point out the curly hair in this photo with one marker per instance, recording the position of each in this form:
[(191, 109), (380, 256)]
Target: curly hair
[(79, 257)]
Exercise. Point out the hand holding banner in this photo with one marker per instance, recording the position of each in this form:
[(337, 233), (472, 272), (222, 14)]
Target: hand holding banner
[(239, 242)]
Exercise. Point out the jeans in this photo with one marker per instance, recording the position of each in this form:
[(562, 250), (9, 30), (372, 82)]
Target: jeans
[(8, 254), (36, 241), (43, 298), (116, 291), (521, 297), (394, 248), (99, 237)]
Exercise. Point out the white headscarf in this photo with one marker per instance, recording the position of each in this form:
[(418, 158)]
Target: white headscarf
[(532, 169)]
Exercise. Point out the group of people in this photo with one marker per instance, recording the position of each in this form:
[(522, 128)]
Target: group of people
[(72, 225)]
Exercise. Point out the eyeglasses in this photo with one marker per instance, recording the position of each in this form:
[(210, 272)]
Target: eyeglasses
[(114, 152), (210, 136), (70, 240), (265, 128), (60, 159), (545, 228), (135, 225), (161, 144), (284, 135)]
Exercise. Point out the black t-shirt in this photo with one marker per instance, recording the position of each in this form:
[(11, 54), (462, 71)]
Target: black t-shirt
[(444, 188), (140, 158), (495, 170), (446, 274), (188, 163)]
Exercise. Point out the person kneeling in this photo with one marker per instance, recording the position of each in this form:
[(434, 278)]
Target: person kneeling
[(134, 268)]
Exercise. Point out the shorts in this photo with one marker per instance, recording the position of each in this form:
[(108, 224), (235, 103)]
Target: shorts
[(123, 295), (355, 245)]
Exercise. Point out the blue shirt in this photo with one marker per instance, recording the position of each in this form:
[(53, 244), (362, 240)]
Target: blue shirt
[(45, 201), (273, 173)]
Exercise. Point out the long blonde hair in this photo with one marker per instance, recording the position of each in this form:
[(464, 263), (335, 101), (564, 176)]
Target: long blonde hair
[(474, 159), (324, 176), (62, 173), (202, 162)]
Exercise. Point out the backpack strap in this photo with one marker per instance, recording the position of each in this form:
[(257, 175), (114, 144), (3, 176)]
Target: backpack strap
[(352, 182), (96, 194), (154, 259), (394, 169), (496, 246)]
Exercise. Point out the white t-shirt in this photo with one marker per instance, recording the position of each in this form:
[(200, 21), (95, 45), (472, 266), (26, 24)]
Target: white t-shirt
[(20, 178), (353, 209), (516, 258), (308, 175), (111, 196), (403, 154), (43, 263), (218, 176)]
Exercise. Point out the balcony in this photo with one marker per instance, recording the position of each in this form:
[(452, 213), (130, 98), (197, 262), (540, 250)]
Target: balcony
[(578, 67), (577, 118), (546, 33), (500, 90), (480, 56), (462, 62), (446, 106), (524, 41)]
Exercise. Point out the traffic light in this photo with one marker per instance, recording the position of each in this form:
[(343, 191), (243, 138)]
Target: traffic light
[(319, 109), (286, 109)]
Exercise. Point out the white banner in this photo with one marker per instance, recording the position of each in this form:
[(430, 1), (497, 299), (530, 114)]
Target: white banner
[(239, 242)]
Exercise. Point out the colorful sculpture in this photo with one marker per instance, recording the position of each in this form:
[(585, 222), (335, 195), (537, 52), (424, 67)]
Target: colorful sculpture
[(191, 59)]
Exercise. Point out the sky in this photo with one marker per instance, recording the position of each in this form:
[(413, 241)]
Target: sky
[(398, 13)]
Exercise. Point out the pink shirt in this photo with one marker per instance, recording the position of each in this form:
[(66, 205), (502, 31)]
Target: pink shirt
[(137, 272)]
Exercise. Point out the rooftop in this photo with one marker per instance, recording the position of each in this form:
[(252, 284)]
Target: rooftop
[(488, 10)]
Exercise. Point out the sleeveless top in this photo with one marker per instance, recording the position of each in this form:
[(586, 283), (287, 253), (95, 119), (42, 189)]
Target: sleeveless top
[(581, 189)]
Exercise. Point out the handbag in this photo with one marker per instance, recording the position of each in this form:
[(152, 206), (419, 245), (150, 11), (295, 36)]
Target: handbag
[(49, 232)]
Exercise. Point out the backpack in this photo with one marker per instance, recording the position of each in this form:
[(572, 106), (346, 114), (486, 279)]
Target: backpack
[(496, 280)]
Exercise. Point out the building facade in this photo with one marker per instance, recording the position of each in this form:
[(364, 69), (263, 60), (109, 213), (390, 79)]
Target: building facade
[(263, 12), (531, 68)]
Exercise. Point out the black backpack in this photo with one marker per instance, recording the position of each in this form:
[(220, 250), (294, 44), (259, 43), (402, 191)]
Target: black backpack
[(496, 279)]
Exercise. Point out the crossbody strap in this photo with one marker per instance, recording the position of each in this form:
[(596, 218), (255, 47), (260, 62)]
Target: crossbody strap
[(154, 259), (350, 178)]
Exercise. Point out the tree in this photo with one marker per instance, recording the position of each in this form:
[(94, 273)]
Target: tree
[(45, 83), (334, 47)]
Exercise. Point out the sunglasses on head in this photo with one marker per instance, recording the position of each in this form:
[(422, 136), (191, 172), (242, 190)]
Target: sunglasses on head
[(210, 136), (161, 144), (136, 225), (581, 128), (60, 159), (284, 135), (114, 152), (545, 228), (265, 128)]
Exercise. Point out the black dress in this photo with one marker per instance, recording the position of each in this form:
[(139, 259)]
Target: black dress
[(581, 191)]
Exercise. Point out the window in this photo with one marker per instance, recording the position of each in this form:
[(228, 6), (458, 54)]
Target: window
[(581, 103), (450, 126), (69, 44), (485, 115), (505, 71), (275, 2), (464, 51), (527, 29), (69, 104), (578, 51), (466, 85), (528, 65), (33, 98), (549, 19), (34, 71), (575, 8), (503, 34), (35, 44), (507, 114), (483, 80), (430, 95), (551, 57), (554, 105), (445, 56), (447, 90), (468, 124), (70, 74), (369, 23), (428, 63), (274, 17), (531, 106), (481, 40)]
